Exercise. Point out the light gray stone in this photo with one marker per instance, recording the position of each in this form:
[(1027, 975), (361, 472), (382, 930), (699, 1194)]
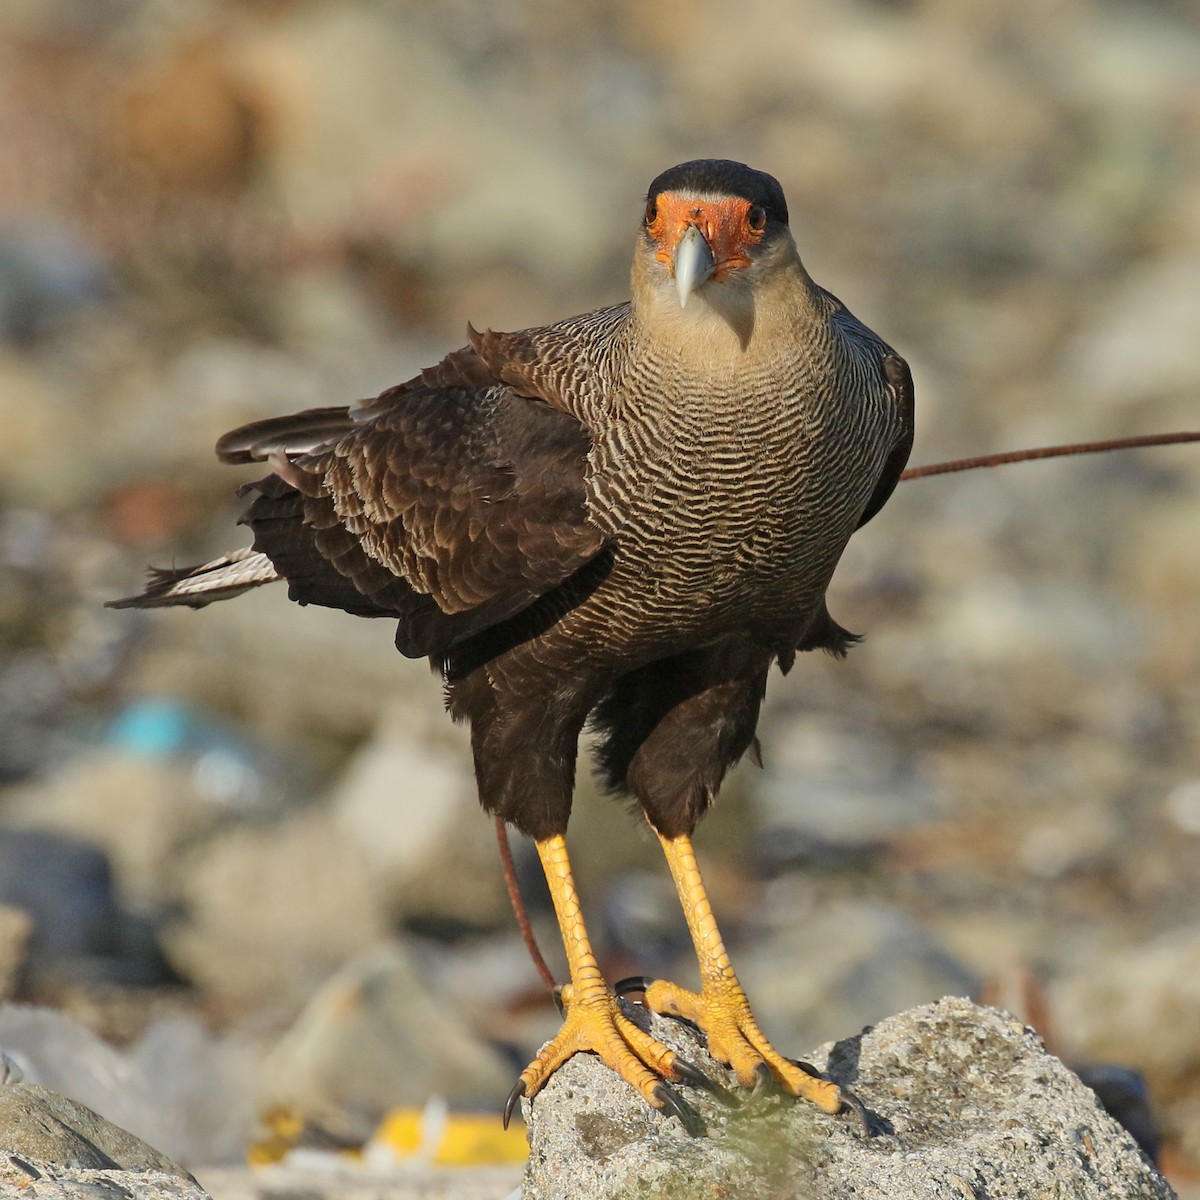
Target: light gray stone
[(1140, 1005), (827, 788), (355, 1181), (181, 1088), (21, 1175), (15, 928), (841, 964), (964, 1102), (51, 1128), (375, 1037), (407, 802), (57, 1054), (273, 906)]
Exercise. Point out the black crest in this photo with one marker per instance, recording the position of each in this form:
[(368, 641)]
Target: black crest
[(723, 177)]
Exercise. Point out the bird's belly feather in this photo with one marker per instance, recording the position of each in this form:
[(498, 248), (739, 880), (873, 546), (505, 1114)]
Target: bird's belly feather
[(713, 544)]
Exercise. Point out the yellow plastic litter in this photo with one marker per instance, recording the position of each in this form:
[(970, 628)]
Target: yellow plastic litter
[(283, 1130), (456, 1140), (401, 1131), (475, 1140)]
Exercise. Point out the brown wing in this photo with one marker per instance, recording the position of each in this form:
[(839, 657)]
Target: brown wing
[(450, 502), (823, 632), (900, 383)]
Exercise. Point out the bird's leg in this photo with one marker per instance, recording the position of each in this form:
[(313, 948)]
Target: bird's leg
[(593, 1020), (720, 1008)]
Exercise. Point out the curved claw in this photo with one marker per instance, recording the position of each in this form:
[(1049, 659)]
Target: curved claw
[(852, 1103), (691, 1074), (764, 1083), (635, 983), (669, 1100), (556, 996), (518, 1090)]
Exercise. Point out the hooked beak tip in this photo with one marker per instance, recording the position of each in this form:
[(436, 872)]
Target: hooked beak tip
[(693, 262)]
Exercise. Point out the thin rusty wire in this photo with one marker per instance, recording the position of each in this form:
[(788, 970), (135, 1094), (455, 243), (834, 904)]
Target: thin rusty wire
[(1015, 456), (518, 904)]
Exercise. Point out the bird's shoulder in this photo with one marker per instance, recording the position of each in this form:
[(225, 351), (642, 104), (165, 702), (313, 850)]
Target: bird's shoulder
[(854, 334), (888, 376), (870, 357), (572, 364)]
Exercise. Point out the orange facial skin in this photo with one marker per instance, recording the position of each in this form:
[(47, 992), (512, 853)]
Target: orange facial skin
[(730, 226)]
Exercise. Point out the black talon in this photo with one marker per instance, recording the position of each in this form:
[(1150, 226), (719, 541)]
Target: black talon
[(668, 1100), (556, 996), (857, 1107), (518, 1090), (764, 1083), (691, 1074), (850, 1102), (635, 983)]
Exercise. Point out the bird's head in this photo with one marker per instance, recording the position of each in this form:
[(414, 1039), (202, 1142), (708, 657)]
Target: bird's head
[(713, 229)]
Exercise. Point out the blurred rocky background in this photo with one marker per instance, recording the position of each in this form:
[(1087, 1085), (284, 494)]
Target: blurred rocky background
[(242, 870)]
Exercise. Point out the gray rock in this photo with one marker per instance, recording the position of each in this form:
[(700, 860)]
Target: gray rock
[(841, 963), (15, 927), (204, 1084), (184, 1090), (47, 275), (829, 791), (1139, 1005), (407, 802), (964, 1102), (61, 1057), (375, 1037), (50, 1128), (1134, 347), (49, 1181), (65, 884), (272, 906), (347, 1180), (80, 930)]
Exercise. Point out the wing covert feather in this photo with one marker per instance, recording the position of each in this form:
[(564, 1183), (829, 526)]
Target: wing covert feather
[(450, 501)]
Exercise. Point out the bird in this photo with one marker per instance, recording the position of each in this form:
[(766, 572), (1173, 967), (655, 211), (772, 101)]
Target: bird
[(619, 522)]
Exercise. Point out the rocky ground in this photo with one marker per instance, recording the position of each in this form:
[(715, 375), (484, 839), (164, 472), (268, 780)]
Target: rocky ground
[(959, 1101), (955, 1100), (242, 870)]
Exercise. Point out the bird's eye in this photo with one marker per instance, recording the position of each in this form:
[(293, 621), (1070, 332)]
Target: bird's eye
[(651, 211), (756, 218)]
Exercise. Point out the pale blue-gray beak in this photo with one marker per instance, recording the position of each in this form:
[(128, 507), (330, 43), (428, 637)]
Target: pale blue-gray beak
[(693, 263)]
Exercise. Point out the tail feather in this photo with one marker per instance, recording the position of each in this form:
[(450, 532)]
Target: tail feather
[(194, 587)]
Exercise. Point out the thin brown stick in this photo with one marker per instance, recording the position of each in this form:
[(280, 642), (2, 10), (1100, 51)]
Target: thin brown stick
[(518, 905), (1014, 456), (942, 468)]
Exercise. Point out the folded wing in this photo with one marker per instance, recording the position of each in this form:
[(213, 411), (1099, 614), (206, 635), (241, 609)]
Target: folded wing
[(450, 502)]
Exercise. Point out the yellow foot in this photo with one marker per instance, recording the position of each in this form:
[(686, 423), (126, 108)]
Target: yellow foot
[(596, 1023), (722, 1011)]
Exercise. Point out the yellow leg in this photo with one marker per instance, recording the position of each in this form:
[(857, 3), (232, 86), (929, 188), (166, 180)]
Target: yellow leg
[(720, 1008), (593, 1020)]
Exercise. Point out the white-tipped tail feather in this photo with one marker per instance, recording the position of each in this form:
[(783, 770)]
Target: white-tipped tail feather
[(194, 587)]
